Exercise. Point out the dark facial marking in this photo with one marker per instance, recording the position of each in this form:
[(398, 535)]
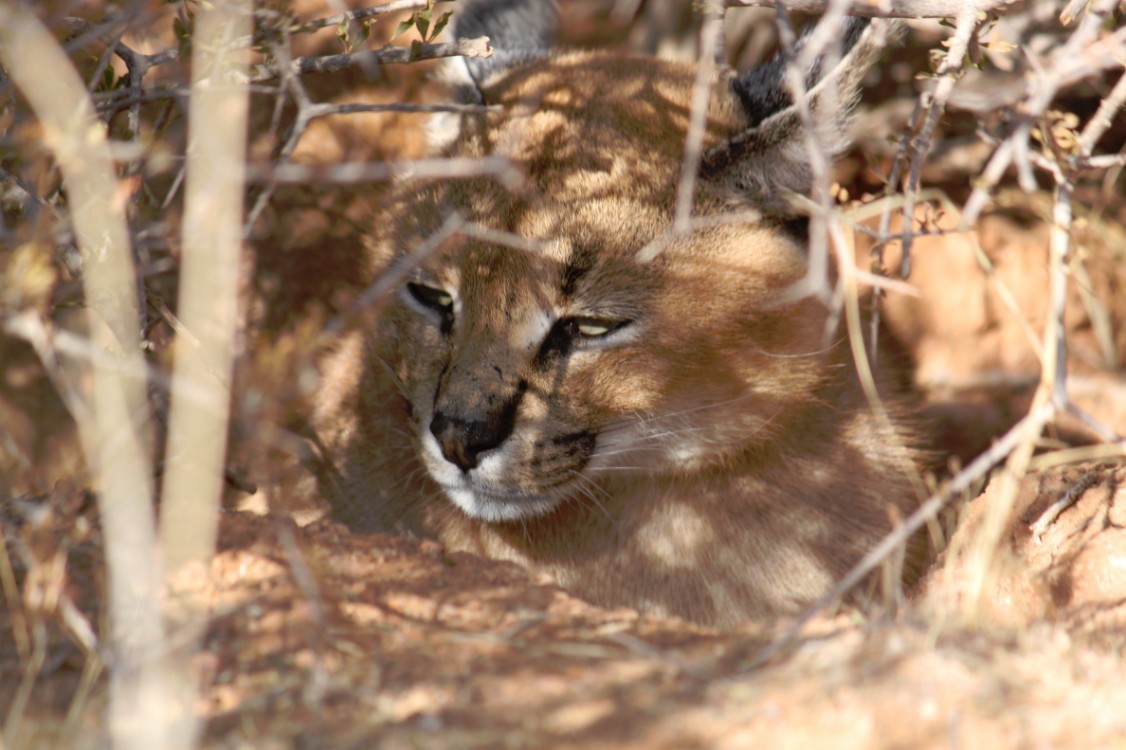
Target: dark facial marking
[(580, 263)]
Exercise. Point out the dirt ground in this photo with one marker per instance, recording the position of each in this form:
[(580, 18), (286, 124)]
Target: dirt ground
[(322, 638)]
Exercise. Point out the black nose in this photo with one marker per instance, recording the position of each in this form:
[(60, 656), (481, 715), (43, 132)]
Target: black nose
[(464, 440)]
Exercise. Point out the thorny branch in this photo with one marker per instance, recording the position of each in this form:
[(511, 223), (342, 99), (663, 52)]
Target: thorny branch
[(1082, 56), (388, 55), (885, 8)]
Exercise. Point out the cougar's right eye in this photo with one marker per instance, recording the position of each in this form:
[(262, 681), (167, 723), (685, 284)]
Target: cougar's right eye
[(436, 299)]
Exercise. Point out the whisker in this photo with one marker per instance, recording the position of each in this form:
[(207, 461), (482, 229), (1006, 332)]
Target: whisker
[(585, 487), (619, 468), (815, 353), (668, 435), (642, 419)]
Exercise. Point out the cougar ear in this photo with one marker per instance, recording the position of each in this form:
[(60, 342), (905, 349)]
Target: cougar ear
[(520, 31), (770, 158)]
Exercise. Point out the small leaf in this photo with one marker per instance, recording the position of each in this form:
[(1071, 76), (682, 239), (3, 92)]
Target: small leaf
[(422, 23), (440, 24), (107, 81), (403, 26), (416, 50)]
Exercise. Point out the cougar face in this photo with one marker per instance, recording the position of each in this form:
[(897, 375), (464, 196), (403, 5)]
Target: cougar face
[(562, 353), (564, 377)]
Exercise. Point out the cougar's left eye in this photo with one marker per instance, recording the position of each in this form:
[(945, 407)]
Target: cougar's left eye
[(436, 299), (593, 328)]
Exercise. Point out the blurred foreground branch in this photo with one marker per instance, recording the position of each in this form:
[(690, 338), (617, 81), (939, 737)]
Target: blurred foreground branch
[(117, 440)]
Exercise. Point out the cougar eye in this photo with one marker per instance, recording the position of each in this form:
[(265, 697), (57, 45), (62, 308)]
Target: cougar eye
[(592, 328), (436, 299)]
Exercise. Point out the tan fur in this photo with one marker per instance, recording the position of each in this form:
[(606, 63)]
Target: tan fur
[(714, 460)]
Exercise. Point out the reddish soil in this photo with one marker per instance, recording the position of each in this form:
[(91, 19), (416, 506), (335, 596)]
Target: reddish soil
[(323, 638)]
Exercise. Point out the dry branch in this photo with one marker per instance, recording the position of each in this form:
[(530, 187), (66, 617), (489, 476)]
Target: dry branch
[(360, 14), (359, 172), (117, 439), (886, 8), (478, 47), (710, 43), (208, 292), (1023, 431)]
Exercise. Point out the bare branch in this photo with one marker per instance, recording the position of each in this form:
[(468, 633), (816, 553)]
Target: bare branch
[(1031, 424), (920, 146), (478, 47), (117, 439), (1102, 119), (887, 8), (360, 14), (701, 90), (350, 173)]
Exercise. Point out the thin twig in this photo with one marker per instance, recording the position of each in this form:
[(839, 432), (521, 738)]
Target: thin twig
[(701, 94), (395, 274), (947, 76), (1053, 511), (886, 8), (360, 14), (478, 47), (1031, 424), (350, 173)]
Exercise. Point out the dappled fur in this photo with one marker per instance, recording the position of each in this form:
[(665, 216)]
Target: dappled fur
[(713, 458)]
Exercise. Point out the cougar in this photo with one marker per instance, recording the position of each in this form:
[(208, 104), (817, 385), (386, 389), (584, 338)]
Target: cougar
[(561, 378)]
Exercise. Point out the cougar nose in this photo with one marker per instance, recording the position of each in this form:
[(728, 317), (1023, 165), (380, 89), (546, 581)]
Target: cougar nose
[(463, 441)]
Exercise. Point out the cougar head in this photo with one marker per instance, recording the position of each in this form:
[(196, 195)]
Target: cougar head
[(552, 337)]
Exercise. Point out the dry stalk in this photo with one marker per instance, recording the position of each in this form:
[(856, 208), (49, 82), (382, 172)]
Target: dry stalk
[(979, 550), (208, 288), (951, 65), (885, 8), (208, 307), (710, 44), (388, 55), (1030, 425), (360, 14), (116, 439), (1051, 395), (1080, 57), (816, 281), (350, 173)]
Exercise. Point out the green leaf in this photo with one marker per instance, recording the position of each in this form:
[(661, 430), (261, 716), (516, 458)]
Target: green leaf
[(181, 28), (403, 26), (416, 50), (440, 24), (108, 81), (422, 23)]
